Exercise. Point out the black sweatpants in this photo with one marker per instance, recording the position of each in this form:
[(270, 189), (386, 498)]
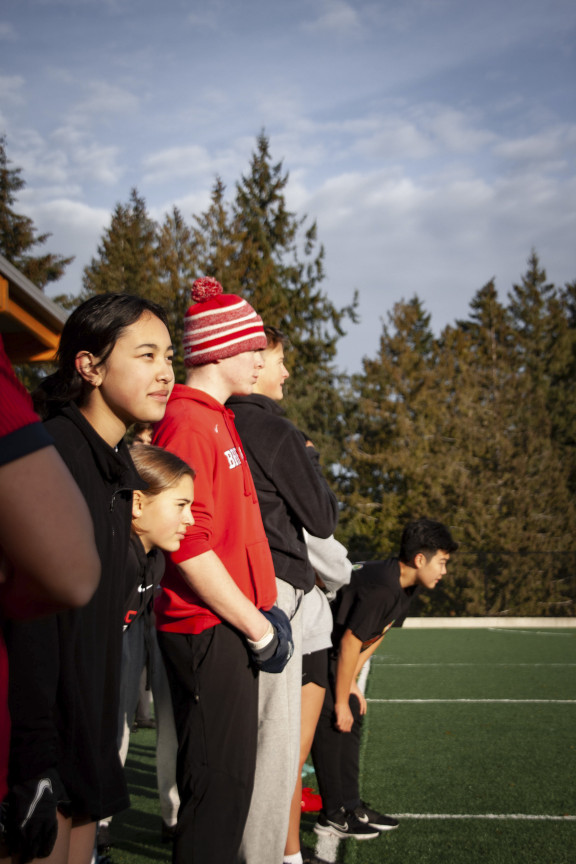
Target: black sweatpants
[(215, 697), (336, 756)]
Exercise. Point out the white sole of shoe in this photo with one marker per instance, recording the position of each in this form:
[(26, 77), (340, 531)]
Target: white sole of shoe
[(322, 831)]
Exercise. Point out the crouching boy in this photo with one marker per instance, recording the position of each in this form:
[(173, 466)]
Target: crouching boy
[(379, 593)]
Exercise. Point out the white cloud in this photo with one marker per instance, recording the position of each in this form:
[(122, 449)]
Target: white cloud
[(456, 131), (102, 99), (336, 16), (443, 237), (207, 18), (421, 132), (180, 162), (66, 160), (396, 137), (7, 32), (188, 205), (552, 144), (11, 87), (76, 229)]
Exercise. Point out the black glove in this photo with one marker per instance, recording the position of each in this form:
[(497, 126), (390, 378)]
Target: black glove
[(32, 822), (277, 653)]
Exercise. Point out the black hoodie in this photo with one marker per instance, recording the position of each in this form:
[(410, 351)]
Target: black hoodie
[(65, 669), (292, 491)]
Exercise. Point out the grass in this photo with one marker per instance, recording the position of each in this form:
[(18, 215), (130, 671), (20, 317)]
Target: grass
[(472, 758), (422, 760)]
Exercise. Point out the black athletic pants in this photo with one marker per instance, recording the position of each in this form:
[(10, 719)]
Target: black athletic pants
[(336, 756), (215, 697)]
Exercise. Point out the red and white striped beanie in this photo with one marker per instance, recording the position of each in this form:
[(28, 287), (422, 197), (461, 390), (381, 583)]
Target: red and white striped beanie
[(219, 325)]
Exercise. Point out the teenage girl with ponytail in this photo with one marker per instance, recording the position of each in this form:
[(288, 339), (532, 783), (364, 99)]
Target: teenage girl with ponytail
[(114, 369)]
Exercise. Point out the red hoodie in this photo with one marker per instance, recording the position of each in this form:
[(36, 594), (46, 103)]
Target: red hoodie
[(226, 513)]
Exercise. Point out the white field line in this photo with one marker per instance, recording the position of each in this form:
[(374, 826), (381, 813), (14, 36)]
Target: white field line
[(475, 701), (531, 632), (501, 816), (496, 622), (382, 660), (327, 846)]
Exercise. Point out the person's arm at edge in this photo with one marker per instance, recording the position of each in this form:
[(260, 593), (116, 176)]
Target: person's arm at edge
[(46, 534), (210, 580)]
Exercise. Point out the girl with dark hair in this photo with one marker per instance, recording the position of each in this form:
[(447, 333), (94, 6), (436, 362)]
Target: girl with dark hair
[(114, 368)]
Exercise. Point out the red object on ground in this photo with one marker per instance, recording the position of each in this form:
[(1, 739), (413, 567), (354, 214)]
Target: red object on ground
[(311, 801)]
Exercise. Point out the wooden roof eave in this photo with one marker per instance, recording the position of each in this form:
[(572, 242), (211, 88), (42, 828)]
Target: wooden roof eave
[(35, 322)]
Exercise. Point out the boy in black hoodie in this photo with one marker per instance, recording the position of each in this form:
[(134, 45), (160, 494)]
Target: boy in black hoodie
[(293, 495)]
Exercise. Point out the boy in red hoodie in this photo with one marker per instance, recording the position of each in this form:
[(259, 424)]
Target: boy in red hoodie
[(213, 615)]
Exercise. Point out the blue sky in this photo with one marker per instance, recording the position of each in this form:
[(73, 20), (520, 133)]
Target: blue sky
[(433, 141)]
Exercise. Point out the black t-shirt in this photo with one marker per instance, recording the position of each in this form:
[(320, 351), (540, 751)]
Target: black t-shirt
[(371, 603)]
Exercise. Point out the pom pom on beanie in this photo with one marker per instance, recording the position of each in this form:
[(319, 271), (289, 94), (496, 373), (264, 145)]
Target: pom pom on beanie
[(205, 288)]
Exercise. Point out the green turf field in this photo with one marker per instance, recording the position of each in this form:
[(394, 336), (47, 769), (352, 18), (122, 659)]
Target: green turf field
[(470, 739)]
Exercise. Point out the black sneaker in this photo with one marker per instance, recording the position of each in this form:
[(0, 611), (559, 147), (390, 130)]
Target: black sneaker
[(367, 816), (344, 823)]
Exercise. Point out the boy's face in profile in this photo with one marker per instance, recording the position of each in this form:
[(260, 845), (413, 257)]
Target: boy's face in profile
[(430, 572), (273, 375)]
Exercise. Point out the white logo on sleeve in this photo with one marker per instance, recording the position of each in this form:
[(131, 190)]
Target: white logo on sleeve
[(232, 457), (43, 786)]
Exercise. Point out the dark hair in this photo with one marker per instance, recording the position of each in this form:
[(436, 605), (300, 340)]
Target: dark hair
[(426, 536), (275, 337), (94, 326), (159, 468)]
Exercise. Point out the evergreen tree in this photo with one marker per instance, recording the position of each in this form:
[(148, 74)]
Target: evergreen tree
[(177, 270), (391, 456), (562, 370), (462, 429), (509, 496), (18, 236), (279, 267), (545, 511), (478, 355), (127, 255), (260, 250), (216, 241)]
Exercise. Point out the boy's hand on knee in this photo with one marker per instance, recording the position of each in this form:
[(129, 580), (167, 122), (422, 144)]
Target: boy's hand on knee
[(355, 691), (344, 718)]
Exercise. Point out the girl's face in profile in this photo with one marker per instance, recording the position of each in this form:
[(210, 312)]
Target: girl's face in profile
[(137, 378), (161, 520)]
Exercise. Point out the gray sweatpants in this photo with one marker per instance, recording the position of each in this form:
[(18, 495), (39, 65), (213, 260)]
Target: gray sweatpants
[(278, 754)]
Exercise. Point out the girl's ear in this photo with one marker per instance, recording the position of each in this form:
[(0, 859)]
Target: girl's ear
[(137, 503), (87, 368)]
